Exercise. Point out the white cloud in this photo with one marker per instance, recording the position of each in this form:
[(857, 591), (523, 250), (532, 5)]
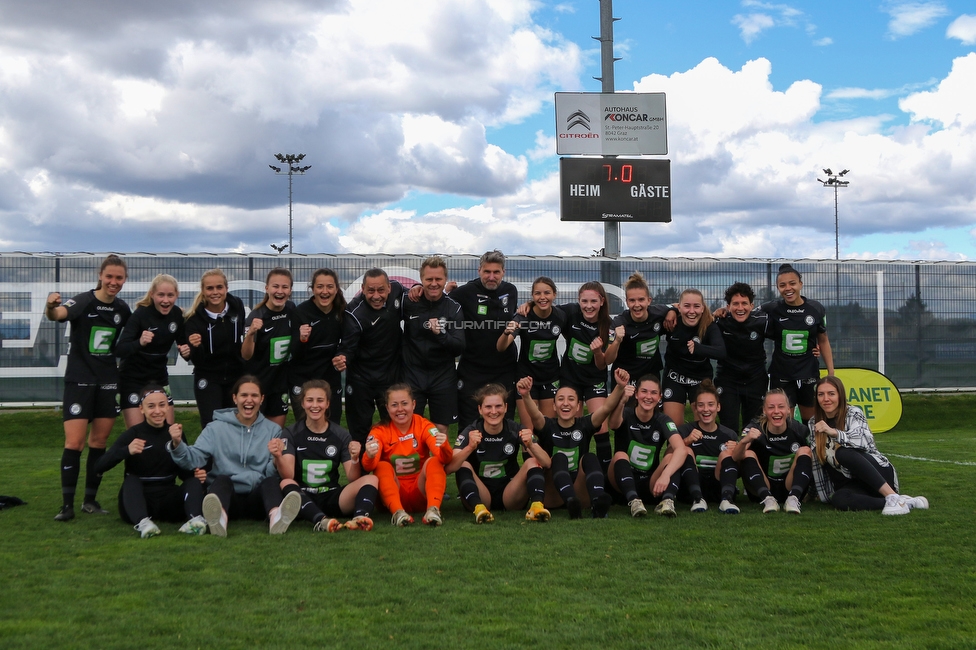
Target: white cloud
[(951, 103), (751, 25), (963, 28), (545, 146), (768, 15), (823, 42), (908, 18)]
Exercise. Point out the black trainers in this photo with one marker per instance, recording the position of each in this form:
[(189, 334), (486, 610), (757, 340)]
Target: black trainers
[(93, 508), (575, 508), (600, 505), (66, 513)]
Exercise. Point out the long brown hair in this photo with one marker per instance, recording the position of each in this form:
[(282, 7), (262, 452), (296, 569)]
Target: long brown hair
[(603, 316), (840, 420), (278, 270), (706, 317), (339, 301)]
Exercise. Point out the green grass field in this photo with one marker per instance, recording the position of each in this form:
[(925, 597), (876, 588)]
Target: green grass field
[(824, 579)]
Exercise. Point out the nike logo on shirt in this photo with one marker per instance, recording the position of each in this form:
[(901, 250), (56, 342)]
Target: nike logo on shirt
[(268, 329), (376, 321), (413, 317), (314, 323), (301, 448)]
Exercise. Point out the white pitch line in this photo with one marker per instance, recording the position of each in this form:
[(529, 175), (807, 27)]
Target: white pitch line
[(934, 460)]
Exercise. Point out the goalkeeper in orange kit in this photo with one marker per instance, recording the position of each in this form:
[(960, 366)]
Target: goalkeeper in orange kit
[(408, 455)]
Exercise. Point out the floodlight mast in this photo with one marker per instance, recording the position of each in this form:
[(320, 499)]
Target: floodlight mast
[(834, 181), (290, 160), (611, 229)]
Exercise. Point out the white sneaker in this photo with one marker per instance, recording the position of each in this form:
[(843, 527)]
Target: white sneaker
[(896, 504), (147, 528), (401, 518), (699, 506), (770, 504), (728, 508), (280, 518), (432, 517), (792, 505), (637, 508), (917, 503), (666, 508), (214, 513), (195, 526)]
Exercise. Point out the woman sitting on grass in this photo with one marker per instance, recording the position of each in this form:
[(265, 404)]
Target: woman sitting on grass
[(848, 470), (317, 446), (149, 490), (243, 478), (486, 461)]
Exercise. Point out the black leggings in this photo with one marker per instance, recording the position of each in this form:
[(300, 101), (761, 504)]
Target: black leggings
[(138, 500), (251, 505), (862, 492)]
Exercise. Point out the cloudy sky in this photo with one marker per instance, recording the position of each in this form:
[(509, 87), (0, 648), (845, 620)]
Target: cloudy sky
[(149, 126)]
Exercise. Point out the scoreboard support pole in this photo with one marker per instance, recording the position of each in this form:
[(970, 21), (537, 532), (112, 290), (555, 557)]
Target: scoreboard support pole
[(611, 229)]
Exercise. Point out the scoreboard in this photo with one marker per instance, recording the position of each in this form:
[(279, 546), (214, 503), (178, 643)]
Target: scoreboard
[(614, 189)]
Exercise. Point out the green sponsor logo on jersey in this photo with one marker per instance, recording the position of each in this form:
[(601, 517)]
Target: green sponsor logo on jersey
[(795, 341), (672, 427), (405, 465), (541, 350), (647, 349), (580, 352), (573, 455), (482, 310), (706, 462), (279, 349), (492, 470), (779, 466), (100, 341), (641, 456), (316, 472)]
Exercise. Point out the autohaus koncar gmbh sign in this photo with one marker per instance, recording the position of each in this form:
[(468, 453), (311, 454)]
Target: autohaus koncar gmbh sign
[(611, 124)]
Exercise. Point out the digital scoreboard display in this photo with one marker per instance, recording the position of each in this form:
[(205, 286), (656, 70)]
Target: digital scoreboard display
[(614, 189)]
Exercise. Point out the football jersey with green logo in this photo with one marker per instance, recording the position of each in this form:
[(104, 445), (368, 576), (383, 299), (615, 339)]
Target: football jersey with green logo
[(317, 455), (643, 441), (578, 368), (640, 349), (497, 455), (142, 364), (710, 445), (95, 328), (776, 451), (572, 441), (272, 348), (537, 350), (794, 331)]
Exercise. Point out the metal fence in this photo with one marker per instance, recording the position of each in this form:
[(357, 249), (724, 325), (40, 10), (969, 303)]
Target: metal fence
[(924, 337)]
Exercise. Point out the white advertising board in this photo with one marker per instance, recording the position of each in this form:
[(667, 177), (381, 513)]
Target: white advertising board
[(611, 124)]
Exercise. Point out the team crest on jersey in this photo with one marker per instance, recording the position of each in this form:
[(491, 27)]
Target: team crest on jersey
[(133, 398), (809, 320), (719, 390), (668, 392), (233, 319), (504, 301), (509, 449), (657, 327), (577, 435), (74, 409), (331, 450), (297, 390), (696, 339), (348, 389), (656, 437), (117, 319), (794, 447), (753, 336), (460, 384), (172, 327), (202, 384), (555, 330), (396, 303)]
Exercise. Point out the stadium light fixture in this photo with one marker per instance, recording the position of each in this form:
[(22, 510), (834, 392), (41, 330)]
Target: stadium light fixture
[(834, 181), (289, 159)]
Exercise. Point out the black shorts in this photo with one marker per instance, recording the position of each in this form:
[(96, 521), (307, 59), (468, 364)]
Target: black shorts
[(130, 394), (587, 392), (438, 391), (541, 391), (89, 401), (275, 403), (327, 502), (801, 392), (496, 488), (675, 387)]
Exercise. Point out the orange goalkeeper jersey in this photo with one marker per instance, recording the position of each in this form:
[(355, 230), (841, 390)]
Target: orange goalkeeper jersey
[(408, 451)]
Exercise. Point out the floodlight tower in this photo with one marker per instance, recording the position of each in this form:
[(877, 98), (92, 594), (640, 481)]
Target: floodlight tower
[(834, 181), (290, 159)]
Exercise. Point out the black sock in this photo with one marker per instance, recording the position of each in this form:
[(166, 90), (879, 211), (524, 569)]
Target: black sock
[(70, 469), (728, 475), (535, 481), (92, 478), (754, 478), (594, 475), (366, 501), (561, 477), (604, 452), (671, 492), (801, 476), (291, 487), (688, 474), (467, 488), (624, 476)]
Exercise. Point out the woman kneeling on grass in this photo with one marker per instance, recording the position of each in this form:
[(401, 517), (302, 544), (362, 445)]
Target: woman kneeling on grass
[(243, 478), (566, 439), (317, 446), (485, 459), (408, 455), (848, 470), (149, 489), (773, 456)]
